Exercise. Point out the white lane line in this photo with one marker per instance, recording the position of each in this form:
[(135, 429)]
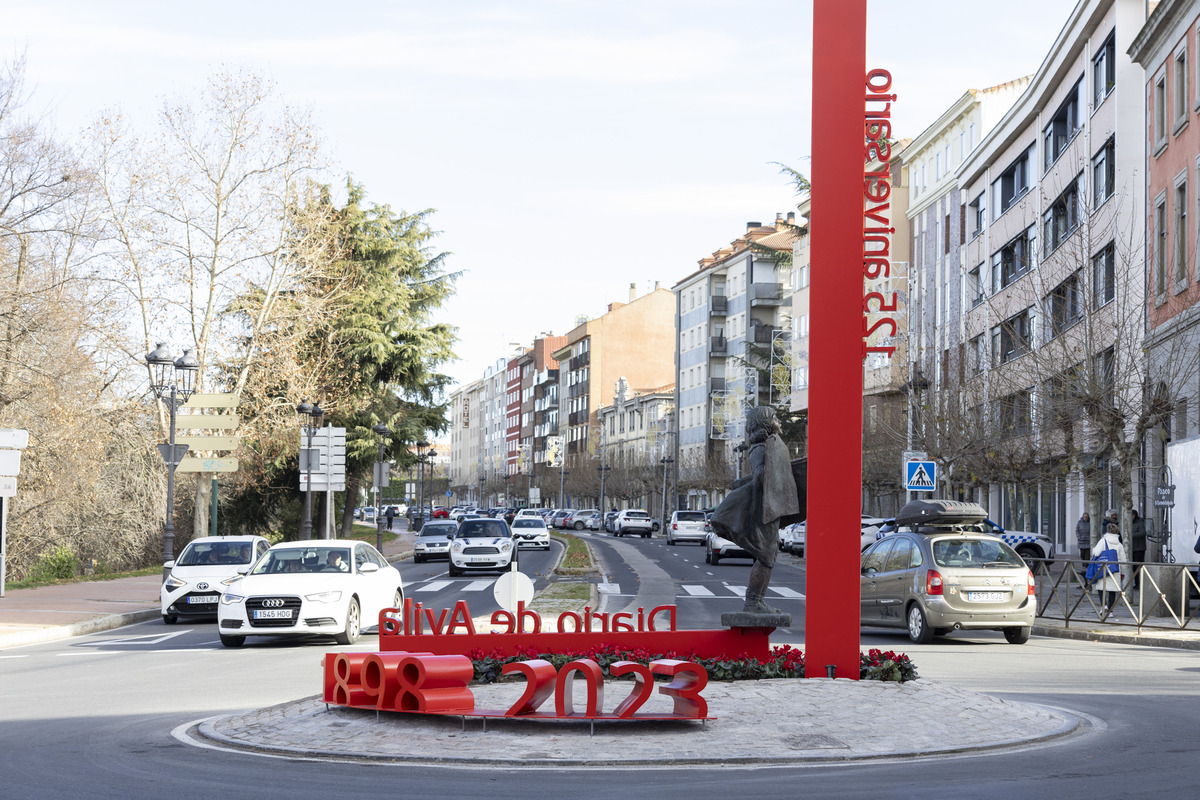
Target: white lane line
[(24, 656), (477, 586), (435, 586), (740, 591), (608, 588), (708, 573), (97, 653), (697, 591), (784, 591)]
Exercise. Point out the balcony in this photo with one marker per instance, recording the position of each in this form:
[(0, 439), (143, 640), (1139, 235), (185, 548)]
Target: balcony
[(580, 361), (716, 384), (718, 346), (766, 295), (718, 305), (759, 334)]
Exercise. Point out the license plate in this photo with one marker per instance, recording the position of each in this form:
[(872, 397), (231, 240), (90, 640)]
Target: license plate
[(987, 597), (273, 613), (202, 599)]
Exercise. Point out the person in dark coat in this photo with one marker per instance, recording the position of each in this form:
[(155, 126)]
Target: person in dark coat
[(1083, 536), (750, 513), (391, 515)]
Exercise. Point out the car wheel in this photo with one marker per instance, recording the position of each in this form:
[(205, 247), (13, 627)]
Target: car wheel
[(1017, 635), (645, 536), (170, 619), (918, 627), (714, 557), (418, 559), (578, 526), (353, 625), (454, 571), (1027, 554), (670, 541), (232, 641)]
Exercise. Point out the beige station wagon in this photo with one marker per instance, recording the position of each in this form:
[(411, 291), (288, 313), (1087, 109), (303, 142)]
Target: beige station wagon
[(934, 576)]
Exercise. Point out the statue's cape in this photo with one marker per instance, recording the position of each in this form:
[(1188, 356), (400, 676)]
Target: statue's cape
[(779, 487)]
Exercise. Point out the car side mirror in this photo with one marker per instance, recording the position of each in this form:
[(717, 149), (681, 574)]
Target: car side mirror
[(869, 571), (168, 564), (369, 567), (242, 570)]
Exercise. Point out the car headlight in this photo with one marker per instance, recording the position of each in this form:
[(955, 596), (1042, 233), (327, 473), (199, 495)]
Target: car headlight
[(457, 546), (174, 583), (324, 597), (505, 547), (229, 599), (231, 581)]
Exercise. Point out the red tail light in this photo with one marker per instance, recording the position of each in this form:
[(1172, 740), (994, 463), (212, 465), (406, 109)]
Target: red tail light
[(1030, 583), (933, 582), (674, 526)]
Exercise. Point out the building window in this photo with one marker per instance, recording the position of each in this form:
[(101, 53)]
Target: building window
[(1180, 88), (1064, 305), (1012, 184), (962, 146), (946, 235), (1104, 73), (1160, 247), (1104, 276), (978, 214), (1104, 173), (937, 166), (1160, 113), (1014, 413), (1013, 260), (1063, 125), (1181, 253), (978, 355), (1061, 220), (974, 287), (1012, 338)]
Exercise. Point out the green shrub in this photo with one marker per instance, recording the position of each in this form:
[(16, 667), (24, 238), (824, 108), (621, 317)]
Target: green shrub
[(60, 565)]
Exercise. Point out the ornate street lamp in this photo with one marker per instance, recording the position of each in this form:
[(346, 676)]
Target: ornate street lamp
[(603, 470), (173, 381), (311, 417), (381, 432), (419, 517)]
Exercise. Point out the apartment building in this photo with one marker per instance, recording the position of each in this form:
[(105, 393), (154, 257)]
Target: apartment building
[(466, 443), (1053, 205), (734, 322)]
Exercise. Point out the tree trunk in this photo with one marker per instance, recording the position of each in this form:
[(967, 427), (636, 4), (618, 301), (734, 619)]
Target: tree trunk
[(203, 503), (347, 524)]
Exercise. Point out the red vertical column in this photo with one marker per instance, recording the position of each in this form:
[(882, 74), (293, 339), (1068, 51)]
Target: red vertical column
[(831, 622)]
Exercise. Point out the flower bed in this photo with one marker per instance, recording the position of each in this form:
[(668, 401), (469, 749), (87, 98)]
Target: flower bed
[(785, 662)]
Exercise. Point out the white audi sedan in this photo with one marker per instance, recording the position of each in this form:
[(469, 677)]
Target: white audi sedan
[(326, 587)]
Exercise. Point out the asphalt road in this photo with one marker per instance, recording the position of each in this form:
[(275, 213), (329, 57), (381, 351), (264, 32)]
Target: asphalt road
[(92, 716)]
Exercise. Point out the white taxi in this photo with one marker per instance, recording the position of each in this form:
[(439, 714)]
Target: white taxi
[(194, 580)]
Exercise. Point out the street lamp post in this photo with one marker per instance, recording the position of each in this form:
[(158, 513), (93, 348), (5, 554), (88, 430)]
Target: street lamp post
[(421, 445), (311, 417), (666, 461), (174, 393), (737, 460), (381, 432), (603, 470)]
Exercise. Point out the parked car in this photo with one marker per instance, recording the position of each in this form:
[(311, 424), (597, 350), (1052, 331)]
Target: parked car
[(609, 516), (559, 519), (540, 513), (937, 574), (595, 522), (482, 544), (633, 520), (368, 514), (870, 531), (717, 547), (1026, 543), (334, 587), (440, 512), (792, 538), (194, 581), (434, 540), (578, 519), (687, 526), (531, 531)]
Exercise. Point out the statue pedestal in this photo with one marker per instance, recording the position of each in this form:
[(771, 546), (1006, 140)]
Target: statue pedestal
[(750, 619)]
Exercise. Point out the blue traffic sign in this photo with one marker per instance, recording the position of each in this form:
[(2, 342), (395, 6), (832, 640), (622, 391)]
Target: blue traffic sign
[(920, 476)]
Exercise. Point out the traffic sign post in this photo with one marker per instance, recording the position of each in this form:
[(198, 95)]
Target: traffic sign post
[(920, 476), (12, 441)]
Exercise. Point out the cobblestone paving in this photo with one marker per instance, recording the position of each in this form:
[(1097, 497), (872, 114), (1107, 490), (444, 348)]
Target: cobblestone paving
[(775, 721)]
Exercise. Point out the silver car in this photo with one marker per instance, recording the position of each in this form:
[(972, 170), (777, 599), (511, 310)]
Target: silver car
[(934, 580), (688, 526), (434, 540)]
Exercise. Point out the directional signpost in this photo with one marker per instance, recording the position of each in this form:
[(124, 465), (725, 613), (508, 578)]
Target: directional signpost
[(329, 471), (12, 441)]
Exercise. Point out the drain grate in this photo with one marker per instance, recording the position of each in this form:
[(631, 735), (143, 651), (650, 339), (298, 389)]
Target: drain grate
[(815, 741)]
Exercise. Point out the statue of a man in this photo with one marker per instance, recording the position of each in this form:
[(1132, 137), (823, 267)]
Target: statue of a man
[(750, 514)]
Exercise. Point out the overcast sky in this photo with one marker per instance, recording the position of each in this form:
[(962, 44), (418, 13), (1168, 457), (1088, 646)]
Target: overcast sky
[(570, 148)]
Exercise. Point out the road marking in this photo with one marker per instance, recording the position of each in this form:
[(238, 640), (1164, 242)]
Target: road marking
[(740, 591), (784, 591), (24, 656), (697, 591), (477, 586), (90, 653), (148, 639), (608, 588), (435, 586)]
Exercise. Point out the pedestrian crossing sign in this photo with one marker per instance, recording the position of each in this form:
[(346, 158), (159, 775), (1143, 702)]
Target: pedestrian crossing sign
[(920, 476)]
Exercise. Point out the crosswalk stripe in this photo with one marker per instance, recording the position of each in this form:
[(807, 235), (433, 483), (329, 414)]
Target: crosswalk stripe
[(697, 591), (608, 588), (435, 586), (740, 591), (477, 586), (784, 591)]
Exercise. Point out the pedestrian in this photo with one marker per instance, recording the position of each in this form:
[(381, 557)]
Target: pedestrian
[(1083, 536), (1137, 531), (391, 515), (1110, 580)]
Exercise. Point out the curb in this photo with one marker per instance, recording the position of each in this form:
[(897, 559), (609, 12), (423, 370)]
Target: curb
[(95, 625), (1092, 635), (202, 733)]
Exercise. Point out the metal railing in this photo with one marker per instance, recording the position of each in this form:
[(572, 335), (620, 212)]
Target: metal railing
[(1152, 595)]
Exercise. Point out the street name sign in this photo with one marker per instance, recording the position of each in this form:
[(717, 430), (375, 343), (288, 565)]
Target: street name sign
[(207, 465)]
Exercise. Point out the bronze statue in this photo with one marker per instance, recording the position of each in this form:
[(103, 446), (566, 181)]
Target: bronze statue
[(750, 513)]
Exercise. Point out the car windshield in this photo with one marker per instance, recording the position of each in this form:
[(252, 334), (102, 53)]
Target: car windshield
[(303, 559), (528, 523), (689, 516), (198, 554), (434, 529), (953, 552), (489, 528)]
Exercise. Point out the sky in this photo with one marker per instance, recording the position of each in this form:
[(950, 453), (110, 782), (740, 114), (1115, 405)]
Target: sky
[(570, 149)]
